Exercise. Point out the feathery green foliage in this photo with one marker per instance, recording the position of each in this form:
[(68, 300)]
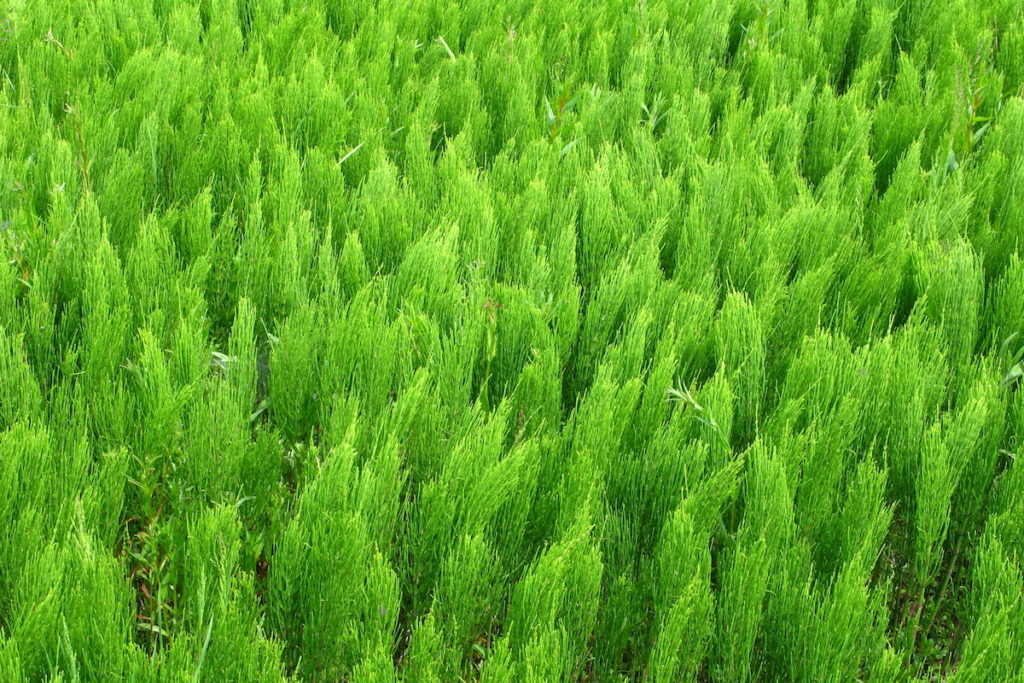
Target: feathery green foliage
[(535, 341)]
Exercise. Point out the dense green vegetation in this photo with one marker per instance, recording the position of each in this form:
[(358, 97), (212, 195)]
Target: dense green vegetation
[(522, 341)]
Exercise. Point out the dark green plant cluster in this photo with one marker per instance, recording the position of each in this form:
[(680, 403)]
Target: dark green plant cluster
[(511, 341)]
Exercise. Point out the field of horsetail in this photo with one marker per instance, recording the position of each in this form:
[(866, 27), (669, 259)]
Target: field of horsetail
[(545, 340)]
